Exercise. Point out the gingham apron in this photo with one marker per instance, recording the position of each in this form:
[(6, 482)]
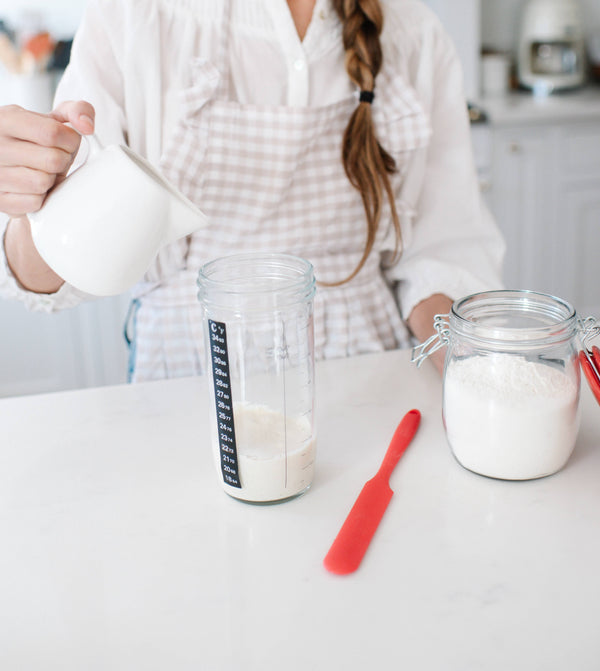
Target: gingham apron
[(270, 178)]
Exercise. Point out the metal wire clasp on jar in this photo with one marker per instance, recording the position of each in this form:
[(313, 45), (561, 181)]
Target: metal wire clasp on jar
[(511, 382)]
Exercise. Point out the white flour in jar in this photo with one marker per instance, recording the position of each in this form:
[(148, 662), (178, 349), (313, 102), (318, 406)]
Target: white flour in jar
[(510, 418), (276, 454)]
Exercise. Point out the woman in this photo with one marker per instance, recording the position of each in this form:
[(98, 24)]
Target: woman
[(312, 127)]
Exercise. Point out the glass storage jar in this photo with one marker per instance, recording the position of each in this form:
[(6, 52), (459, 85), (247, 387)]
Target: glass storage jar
[(511, 382), (258, 329)]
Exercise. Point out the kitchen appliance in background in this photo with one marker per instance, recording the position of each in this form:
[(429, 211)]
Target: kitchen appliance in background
[(551, 51)]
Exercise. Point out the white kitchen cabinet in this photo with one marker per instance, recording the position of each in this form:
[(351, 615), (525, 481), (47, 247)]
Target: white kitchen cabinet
[(519, 200), (577, 249), (545, 195), (80, 347)]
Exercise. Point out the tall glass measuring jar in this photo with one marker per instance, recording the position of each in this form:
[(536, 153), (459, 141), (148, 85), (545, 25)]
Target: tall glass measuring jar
[(511, 382), (258, 331)]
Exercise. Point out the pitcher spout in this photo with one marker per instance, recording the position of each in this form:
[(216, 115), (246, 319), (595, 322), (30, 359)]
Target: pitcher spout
[(184, 218)]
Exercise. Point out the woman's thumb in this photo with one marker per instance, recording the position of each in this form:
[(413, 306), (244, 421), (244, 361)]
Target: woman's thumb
[(78, 113)]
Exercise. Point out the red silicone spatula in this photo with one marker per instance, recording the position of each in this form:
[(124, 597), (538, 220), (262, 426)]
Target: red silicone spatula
[(590, 364), (354, 537)]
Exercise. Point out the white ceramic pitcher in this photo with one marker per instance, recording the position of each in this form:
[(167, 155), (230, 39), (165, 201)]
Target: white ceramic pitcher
[(101, 228)]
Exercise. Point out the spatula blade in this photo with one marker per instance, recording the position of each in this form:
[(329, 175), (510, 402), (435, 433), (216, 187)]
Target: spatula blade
[(353, 539)]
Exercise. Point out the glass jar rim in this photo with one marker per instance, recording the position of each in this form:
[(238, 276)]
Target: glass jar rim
[(252, 274), (513, 316), (303, 269)]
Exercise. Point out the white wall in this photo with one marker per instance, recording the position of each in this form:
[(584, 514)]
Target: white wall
[(462, 20)]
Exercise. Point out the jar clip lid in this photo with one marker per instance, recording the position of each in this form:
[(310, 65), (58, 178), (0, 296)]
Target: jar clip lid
[(434, 342)]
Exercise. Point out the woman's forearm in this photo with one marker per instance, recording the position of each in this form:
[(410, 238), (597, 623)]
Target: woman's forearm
[(24, 261)]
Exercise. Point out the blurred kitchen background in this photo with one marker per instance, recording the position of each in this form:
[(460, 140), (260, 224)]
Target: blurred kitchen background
[(532, 81)]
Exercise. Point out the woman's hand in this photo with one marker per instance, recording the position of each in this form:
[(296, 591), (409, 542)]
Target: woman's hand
[(420, 323), (36, 151)]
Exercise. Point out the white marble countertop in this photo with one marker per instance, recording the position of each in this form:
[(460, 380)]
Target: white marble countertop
[(120, 551), (522, 107)]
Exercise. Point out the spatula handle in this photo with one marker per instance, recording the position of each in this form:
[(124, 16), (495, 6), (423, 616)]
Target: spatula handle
[(400, 441)]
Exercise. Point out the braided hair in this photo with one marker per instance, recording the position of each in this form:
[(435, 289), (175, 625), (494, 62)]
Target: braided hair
[(366, 163)]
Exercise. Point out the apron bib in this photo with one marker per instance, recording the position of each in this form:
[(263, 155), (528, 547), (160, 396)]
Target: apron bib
[(271, 179)]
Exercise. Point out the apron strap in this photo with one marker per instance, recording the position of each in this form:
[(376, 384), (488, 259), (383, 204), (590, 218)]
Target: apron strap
[(129, 333), (224, 60)]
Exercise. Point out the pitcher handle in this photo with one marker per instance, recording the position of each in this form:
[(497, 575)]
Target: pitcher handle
[(94, 146)]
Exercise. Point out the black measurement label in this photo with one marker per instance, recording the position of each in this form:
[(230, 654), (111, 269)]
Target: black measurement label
[(223, 403)]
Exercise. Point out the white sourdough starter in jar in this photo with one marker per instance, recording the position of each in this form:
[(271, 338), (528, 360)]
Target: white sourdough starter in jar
[(276, 454), (508, 417), (257, 311)]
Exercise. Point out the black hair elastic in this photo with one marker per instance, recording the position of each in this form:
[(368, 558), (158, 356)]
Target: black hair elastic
[(366, 96)]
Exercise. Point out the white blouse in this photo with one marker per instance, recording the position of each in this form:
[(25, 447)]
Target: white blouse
[(120, 63)]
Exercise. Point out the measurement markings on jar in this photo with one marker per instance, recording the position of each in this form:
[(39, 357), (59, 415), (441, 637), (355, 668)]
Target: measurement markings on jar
[(223, 403)]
